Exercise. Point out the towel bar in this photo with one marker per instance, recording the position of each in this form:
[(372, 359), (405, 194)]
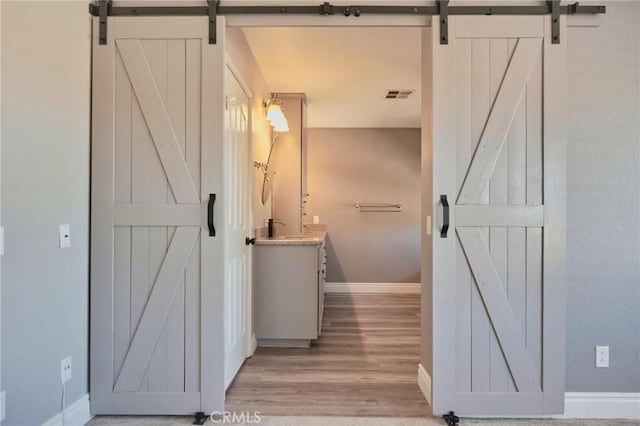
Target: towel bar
[(381, 207)]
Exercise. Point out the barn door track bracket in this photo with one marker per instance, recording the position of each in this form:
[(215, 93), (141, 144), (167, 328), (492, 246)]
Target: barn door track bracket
[(104, 8), (443, 10), (554, 9), (212, 10)]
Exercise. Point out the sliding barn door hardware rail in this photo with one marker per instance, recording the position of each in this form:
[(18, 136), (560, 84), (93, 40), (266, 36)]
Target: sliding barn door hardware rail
[(105, 8)]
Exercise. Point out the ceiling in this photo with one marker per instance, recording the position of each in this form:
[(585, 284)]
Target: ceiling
[(344, 71)]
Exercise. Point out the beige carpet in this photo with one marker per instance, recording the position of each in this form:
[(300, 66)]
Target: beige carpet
[(356, 421)]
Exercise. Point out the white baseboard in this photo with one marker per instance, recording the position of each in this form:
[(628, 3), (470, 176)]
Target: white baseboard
[(577, 405), (412, 288), (253, 345), (601, 405), (77, 413), (424, 383)]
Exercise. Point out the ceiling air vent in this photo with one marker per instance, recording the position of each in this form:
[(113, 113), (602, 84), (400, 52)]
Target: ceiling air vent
[(398, 94)]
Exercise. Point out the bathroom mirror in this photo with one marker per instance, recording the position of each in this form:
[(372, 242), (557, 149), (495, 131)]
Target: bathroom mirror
[(266, 189)]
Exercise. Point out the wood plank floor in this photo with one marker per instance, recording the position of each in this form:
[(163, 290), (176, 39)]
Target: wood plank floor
[(364, 364)]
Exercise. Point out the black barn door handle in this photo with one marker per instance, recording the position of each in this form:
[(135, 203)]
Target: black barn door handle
[(445, 216), (210, 218)]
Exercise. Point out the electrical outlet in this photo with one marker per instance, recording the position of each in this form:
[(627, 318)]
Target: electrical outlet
[(3, 405), (602, 356), (65, 370), (65, 236)]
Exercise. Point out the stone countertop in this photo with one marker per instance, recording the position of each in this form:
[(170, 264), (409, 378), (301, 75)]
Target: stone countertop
[(312, 236)]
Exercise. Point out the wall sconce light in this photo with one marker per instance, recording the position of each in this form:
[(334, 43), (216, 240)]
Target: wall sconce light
[(275, 115)]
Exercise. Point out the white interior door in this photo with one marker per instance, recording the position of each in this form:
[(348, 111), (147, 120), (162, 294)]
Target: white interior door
[(156, 269), (498, 102), (238, 223)]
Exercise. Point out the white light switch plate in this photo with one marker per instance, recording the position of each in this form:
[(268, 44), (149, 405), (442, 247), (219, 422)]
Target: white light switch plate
[(65, 236), (602, 356), (429, 226), (1, 240)]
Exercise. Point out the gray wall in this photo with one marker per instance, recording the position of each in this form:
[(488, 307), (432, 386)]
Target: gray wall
[(45, 182), (603, 206), (348, 166)]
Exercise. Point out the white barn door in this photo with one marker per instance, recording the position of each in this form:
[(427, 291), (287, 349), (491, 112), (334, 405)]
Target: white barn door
[(156, 268), (498, 92)]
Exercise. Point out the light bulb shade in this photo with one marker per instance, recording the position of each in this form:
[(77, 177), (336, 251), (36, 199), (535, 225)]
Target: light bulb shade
[(274, 113), (277, 119), (281, 126), (280, 123)]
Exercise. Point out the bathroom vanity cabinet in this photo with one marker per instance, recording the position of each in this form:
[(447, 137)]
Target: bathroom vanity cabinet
[(289, 278)]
